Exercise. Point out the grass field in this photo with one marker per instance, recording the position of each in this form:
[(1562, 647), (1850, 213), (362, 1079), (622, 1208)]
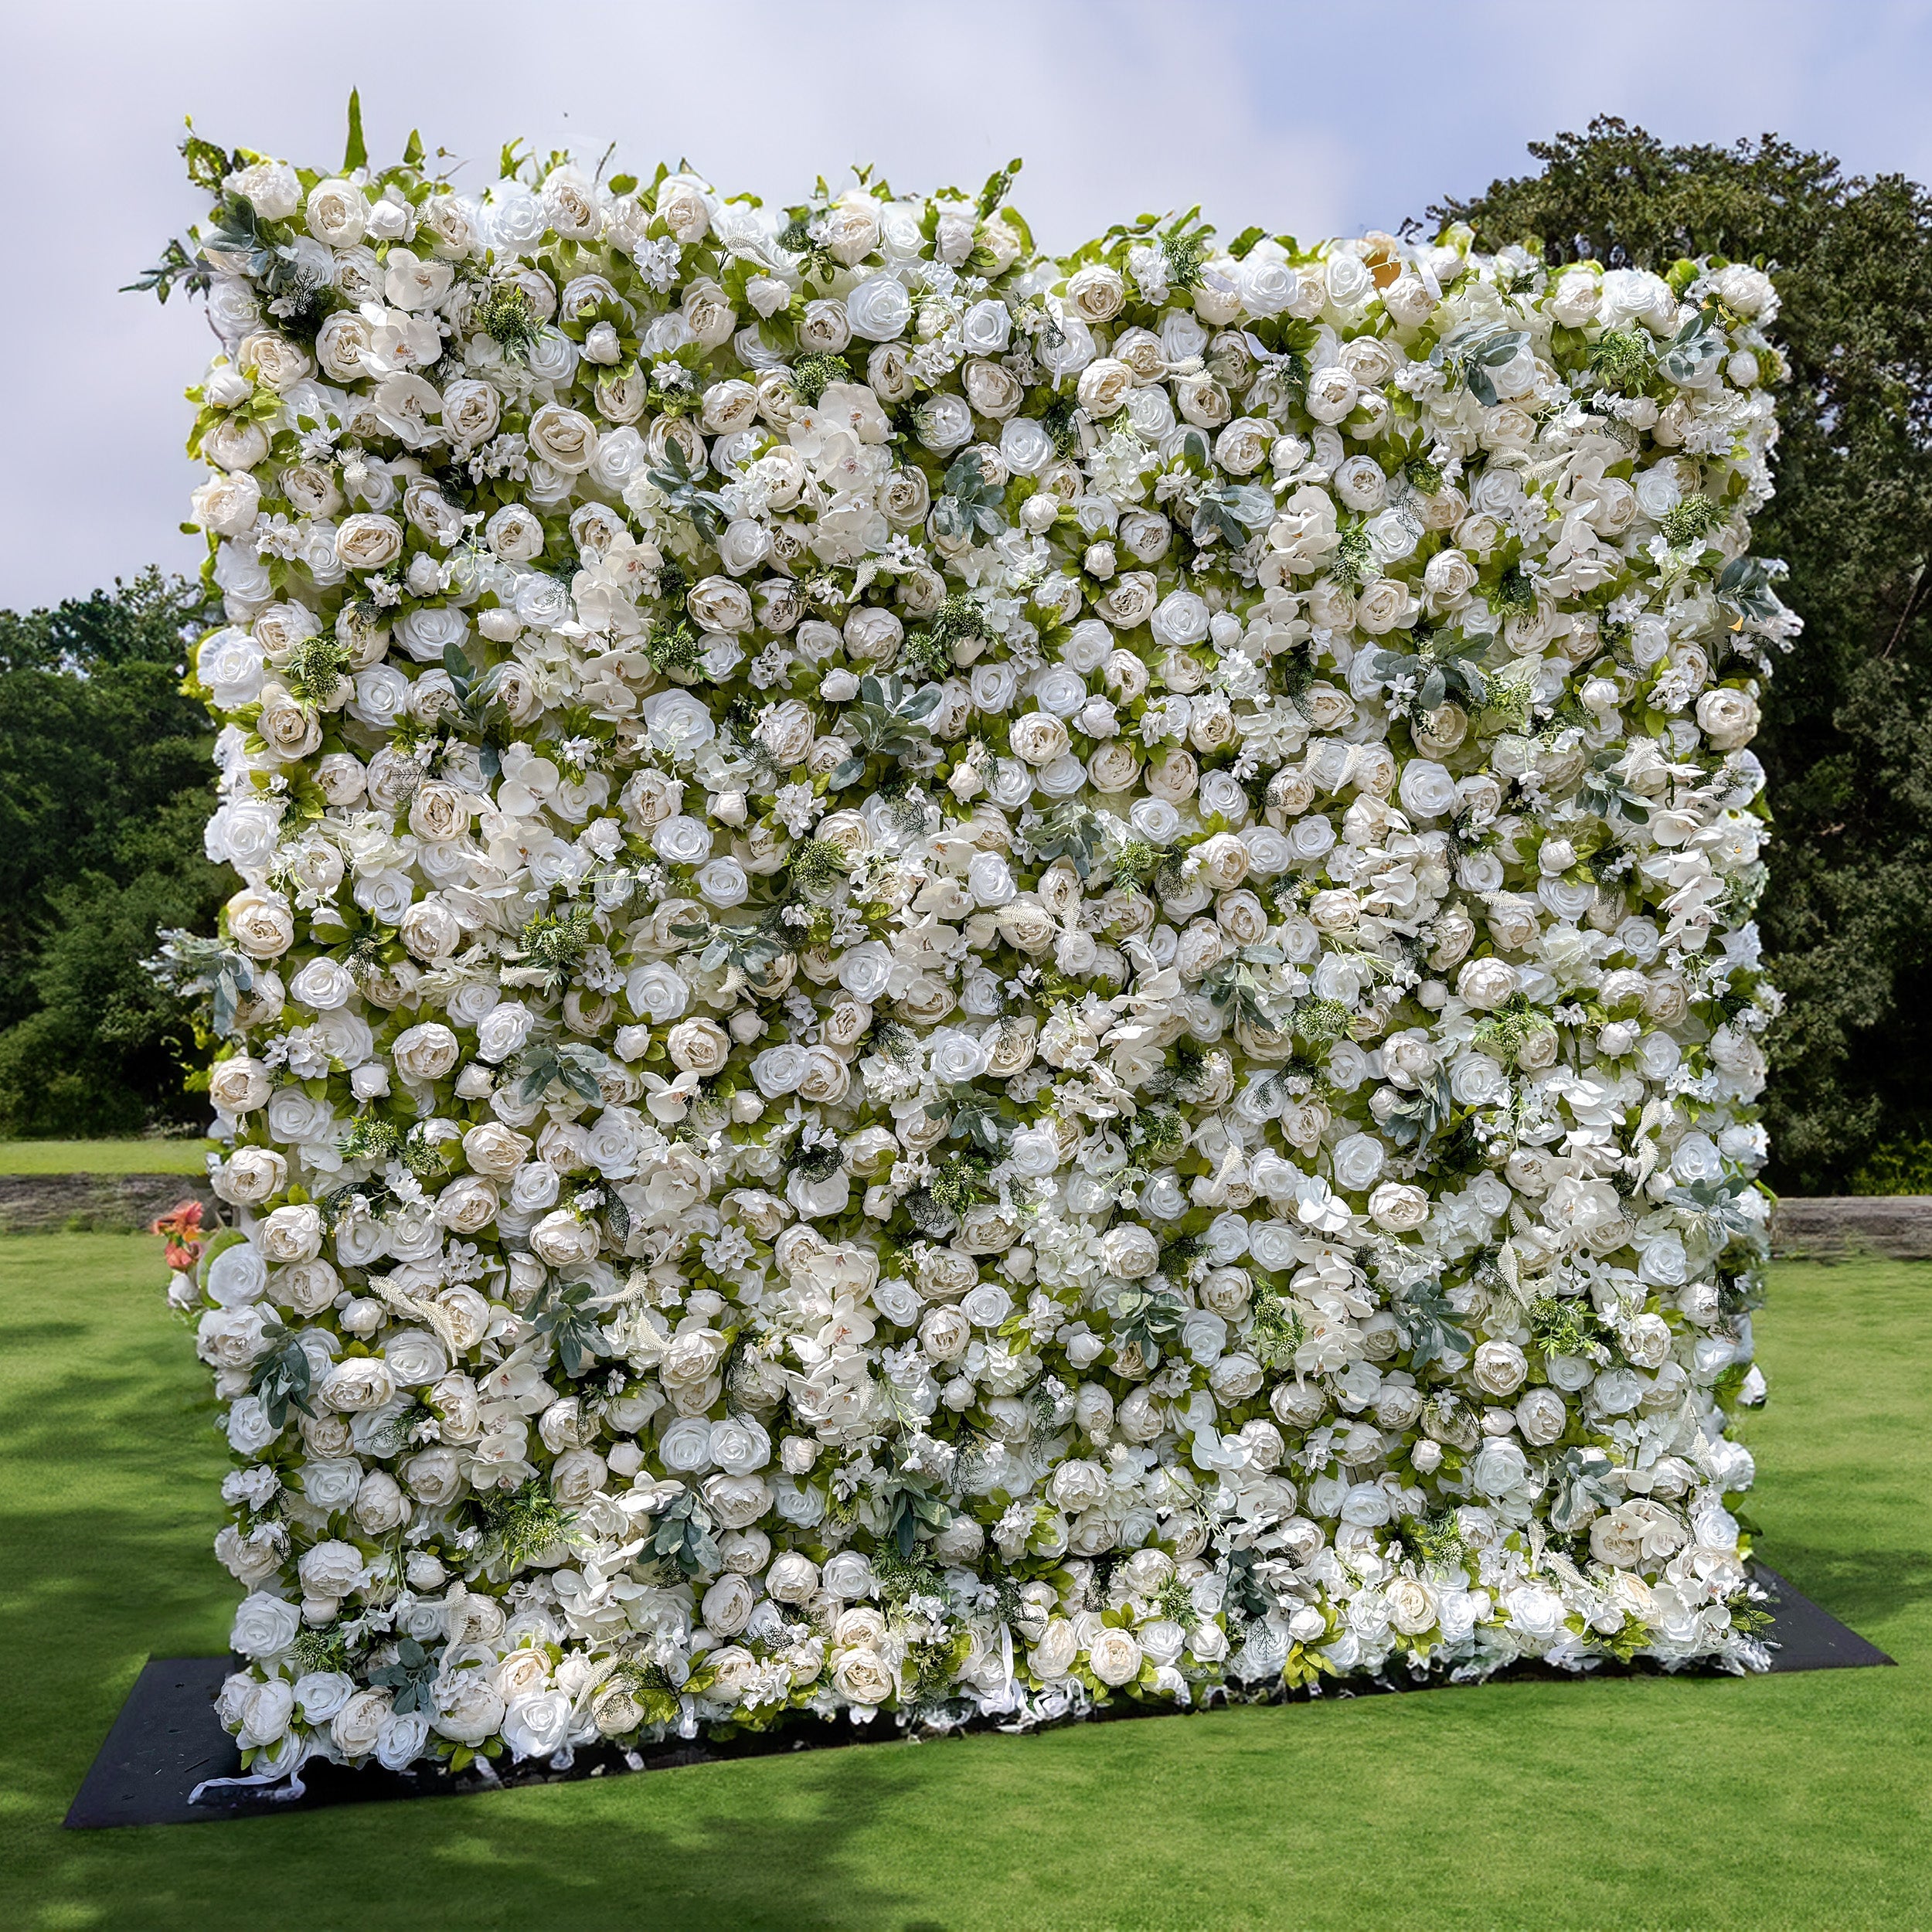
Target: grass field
[(104, 1157), (1792, 1801)]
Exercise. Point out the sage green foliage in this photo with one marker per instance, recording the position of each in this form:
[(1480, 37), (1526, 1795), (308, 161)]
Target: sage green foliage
[(1797, 1800), (1847, 736), (105, 785)]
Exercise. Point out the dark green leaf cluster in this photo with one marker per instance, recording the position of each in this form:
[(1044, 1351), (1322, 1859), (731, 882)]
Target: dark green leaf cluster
[(929, 651), (811, 376), (315, 669), (1071, 829), (1277, 1332), (412, 1677), (281, 1378), (673, 647), (520, 1524), (564, 1315), (555, 943), (1437, 1539), (817, 866), (1149, 1318), (506, 314), (888, 721), (1564, 1327), (973, 504), (545, 1065), (681, 1537), (1431, 1329), (1696, 516)]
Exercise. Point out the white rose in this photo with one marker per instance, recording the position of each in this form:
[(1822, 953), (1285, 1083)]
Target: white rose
[(1267, 286), (468, 1710), (1499, 1468), (1130, 1251), (1398, 1207), (239, 1085), (1383, 605), (944, 423), (264, 1625), (271, 187), (1486, 982), (228, 504), (562, 1240), (290, 1235), (1038, 737), (536, 1724), (1499, 1367), (863, 1677), (425, 1053), (1358, 1159), (699, 1046), (1113, 1657), (357, 1728), (502, 1031), (1728, 718), (1180, 619), (337, 213), (879, 309), (1331, 393), (1747, 290), (1541, 1417), (1096, 292), (367, 540), (252, 1174), (727, 1606), (1427, 789), (564, 437)]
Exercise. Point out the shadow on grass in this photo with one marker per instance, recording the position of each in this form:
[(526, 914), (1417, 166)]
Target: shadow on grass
[(110, 1470), (703, 1845), (695, 1848), (1861, 1587)]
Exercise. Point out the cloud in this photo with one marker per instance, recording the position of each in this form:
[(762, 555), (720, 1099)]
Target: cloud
[(1302, 118)]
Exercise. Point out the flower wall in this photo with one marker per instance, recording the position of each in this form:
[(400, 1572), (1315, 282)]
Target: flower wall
[(965, 984)]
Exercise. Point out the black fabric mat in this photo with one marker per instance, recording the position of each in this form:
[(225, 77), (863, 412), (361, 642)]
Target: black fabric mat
[(1807, 1638), (166, 1740), (163, 1743)]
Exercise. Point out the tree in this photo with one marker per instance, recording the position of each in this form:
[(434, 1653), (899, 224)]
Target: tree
[(1847, 736), (104, 785)]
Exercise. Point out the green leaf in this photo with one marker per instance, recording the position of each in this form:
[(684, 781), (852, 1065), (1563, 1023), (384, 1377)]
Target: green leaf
[(355, 154), (280, 1377), (1427, 1325), (206, 163)]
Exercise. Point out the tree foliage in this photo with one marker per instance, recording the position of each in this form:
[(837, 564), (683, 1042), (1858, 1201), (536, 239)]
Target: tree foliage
[(1847, 736), (104, 785)]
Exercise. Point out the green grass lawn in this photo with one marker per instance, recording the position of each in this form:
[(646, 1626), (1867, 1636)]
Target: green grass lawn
[(1793, 1801), (104, 1157)]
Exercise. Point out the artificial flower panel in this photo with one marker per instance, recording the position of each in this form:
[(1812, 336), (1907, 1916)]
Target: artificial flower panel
[(965, 984)]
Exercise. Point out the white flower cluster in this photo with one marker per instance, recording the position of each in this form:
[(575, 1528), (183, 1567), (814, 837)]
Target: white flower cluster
[(966, 983)]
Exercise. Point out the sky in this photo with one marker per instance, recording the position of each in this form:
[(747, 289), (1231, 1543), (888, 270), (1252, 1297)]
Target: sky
[(1312, 119)]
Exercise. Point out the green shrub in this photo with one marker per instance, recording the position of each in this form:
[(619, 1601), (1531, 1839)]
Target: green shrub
[(105, 783)]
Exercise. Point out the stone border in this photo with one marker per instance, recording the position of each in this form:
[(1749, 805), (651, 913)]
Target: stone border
[(1821, 1228), (96, 1203), (1827, 1227)]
